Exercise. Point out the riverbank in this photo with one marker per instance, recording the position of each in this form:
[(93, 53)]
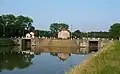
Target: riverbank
[(106, 61), (6, 42)]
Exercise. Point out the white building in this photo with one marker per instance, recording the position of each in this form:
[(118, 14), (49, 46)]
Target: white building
[(27, 35), (63, 34), (30, 35)]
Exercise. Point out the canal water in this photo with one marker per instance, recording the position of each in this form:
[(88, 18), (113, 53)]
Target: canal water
[(48, 60)]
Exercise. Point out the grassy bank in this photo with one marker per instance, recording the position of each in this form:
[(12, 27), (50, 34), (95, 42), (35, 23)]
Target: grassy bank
[(106, 61)]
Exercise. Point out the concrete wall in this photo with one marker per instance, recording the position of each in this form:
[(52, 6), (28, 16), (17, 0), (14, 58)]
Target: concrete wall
[(58, 42), (70, 43), (62, 43), (84, 43), (17, 41)]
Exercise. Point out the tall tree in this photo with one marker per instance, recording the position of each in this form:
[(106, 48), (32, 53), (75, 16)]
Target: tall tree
[(11, 26), (1, 26), (7, 22), (55, 27), (77, 34), (115, 30)]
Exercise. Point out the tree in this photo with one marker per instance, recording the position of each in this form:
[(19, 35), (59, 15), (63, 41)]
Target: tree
[(6, 22), (11, 26), (115, 30), (43, 33), (55, 27), (1, 26), (24, 23), (77, 34), (37, 33)]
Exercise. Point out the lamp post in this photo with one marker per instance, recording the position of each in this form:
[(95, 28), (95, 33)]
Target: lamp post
[(71, 31), (87, 35)]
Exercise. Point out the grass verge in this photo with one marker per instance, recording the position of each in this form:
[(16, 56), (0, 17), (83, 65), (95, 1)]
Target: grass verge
[(105, 61)]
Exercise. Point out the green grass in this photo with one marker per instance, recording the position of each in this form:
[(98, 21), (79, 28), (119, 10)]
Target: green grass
[(106, 61)]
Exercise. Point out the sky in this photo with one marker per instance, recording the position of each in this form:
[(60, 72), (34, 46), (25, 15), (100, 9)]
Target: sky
[(84, 15)]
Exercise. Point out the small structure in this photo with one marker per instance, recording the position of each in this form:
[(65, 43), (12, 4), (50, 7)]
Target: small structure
[(30, 35), (63, 34), (27, 35)]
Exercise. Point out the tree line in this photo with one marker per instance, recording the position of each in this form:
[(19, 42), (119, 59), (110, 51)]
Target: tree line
[(18, 26), (15, 26)]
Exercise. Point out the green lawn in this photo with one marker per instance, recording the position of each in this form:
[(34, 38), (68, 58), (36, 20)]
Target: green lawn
[(106, 61)]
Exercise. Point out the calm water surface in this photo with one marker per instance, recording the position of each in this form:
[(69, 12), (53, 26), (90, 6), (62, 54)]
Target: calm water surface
[(50, 60)]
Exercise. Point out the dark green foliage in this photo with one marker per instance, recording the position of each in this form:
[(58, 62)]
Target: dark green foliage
[(15, 26), (55, 27), (18, 26), (44, 33), (79, 34), (115, 30), (98, 34)]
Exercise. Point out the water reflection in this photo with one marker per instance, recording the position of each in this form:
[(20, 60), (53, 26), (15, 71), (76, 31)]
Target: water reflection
[(60, 52), (9, 60), (38, 50), (62, 56), (12, 58)]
